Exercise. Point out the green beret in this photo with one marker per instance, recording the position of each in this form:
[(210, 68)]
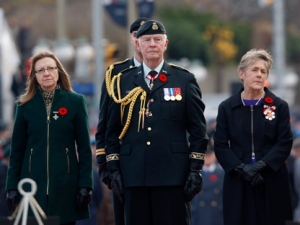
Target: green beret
[(136, 24), (151, 27)]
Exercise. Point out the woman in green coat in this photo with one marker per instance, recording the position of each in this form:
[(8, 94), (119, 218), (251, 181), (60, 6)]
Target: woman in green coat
[(51, 143)]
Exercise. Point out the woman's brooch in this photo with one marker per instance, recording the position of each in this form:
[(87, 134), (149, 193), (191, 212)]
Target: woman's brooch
[(269, 111), (62, 111)]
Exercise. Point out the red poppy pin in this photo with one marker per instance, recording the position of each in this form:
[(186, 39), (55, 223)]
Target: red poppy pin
[(213, 177), (62, 111), (162, 78), (268, 100)]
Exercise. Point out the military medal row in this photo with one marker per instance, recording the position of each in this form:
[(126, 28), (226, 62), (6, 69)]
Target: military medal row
[(172, 94)]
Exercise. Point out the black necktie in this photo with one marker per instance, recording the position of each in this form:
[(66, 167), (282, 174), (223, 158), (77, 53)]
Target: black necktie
[(152, 76)]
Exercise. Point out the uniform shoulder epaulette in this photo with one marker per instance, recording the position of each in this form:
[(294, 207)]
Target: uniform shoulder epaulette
[(121, 62), (109, 76), (127, 69), (179, 67)]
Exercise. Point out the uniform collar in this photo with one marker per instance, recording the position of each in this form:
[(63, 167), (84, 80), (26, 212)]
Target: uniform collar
[(136, 62), (147, 69)]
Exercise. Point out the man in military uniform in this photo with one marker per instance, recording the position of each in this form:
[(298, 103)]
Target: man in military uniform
[(114, 69), (152, 167)]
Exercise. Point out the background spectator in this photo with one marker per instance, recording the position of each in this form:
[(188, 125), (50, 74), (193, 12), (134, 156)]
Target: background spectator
[(207, 206)]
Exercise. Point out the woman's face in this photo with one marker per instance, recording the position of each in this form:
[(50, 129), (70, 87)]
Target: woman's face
[(46, 73), (255, 75)]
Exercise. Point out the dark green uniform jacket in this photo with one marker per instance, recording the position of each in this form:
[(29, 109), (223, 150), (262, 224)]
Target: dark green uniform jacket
[(55, 152), (158, 154)]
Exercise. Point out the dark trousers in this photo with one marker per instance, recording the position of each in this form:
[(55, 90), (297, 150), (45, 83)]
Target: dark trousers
[(118, 211), (71, 223), (156, 206)]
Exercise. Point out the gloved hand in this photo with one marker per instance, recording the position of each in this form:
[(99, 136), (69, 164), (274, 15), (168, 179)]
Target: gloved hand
[(84, 196), (193, 184), (238, 171), (251, 170), (101, 168), (257, 180), (12, 199), (116, 183), (105, 178), (103, 174)]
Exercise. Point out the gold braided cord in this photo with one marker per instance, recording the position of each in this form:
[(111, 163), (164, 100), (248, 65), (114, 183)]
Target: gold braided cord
[(130, 98), (142, 111), (108, 79), (130, 110)]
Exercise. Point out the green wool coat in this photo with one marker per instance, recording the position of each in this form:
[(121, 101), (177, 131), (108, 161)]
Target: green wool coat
[(54, 151)]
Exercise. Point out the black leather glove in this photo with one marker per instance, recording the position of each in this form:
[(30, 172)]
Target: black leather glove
[(116, 183), (251, 170), (193, 184), (103, 174), (257, 180), (101, 168), (105, 179), (238, 171), (12, 199), (84, 196)]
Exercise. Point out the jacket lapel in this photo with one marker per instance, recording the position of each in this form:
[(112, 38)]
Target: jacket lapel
[(139, 79), (160, 81)]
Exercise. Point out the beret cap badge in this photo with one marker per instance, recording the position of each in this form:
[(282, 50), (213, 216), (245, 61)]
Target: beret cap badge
[(151, 27), (154, 26)]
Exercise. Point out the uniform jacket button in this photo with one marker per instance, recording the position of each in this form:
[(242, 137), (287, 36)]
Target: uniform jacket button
[(213, 203)]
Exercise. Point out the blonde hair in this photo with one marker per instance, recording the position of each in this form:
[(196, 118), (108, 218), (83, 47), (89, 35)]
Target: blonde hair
[(32, 85), (254, 54)]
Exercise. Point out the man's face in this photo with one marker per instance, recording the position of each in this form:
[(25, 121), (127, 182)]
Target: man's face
[(133, 40), (152, 46)]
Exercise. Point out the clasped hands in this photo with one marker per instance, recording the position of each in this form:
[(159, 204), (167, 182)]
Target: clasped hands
[(251, 172)]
